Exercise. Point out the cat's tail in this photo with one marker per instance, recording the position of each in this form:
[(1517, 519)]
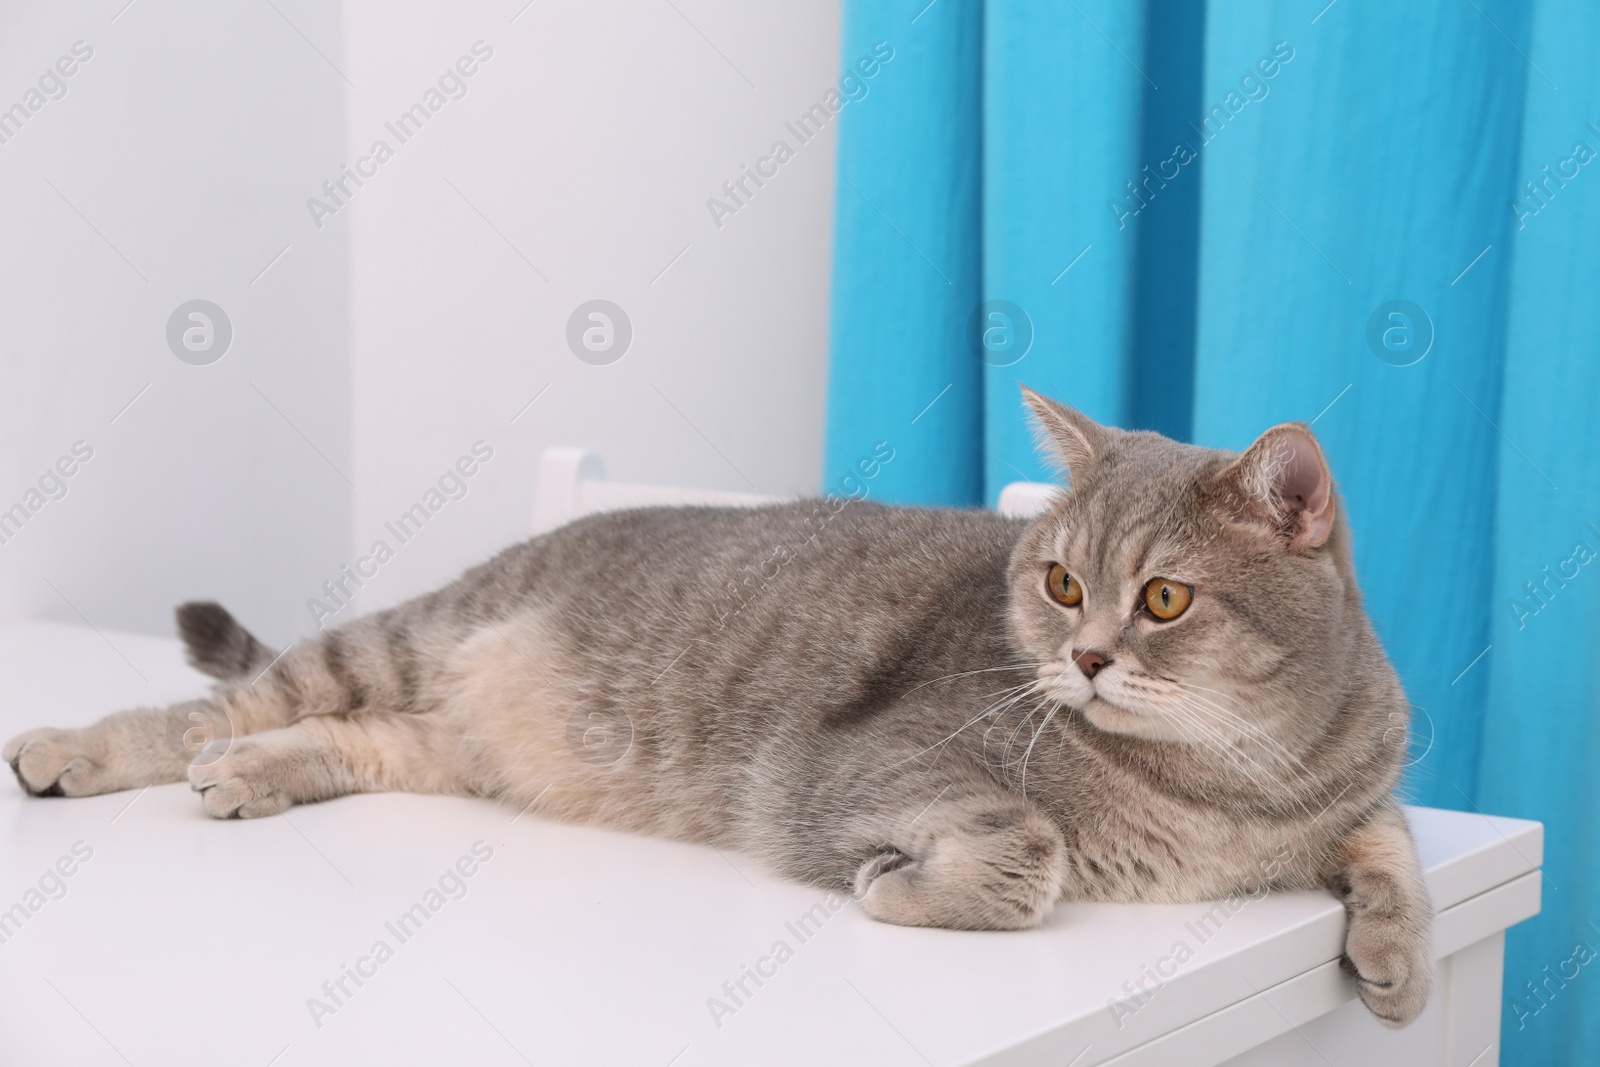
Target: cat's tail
[(218, 645)]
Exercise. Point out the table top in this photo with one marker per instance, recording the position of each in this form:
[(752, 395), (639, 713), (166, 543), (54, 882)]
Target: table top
[(179, 939)]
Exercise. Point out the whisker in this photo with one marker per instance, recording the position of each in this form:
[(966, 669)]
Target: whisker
[(1042, 728), (1184, 713), (965, 674), (1199, 720), (1256, 732), (1012, 737), (1244, 724), (1299, 802), (1195, 732), (1240, 760), (1016, 693)]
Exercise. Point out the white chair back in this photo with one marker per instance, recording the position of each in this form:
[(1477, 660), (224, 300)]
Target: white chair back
[(572, 484)]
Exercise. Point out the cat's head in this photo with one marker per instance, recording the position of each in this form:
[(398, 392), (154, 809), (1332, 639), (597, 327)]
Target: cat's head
[(1180, 593)]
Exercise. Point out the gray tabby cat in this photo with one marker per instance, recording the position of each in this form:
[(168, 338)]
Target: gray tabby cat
[(1162, 689)]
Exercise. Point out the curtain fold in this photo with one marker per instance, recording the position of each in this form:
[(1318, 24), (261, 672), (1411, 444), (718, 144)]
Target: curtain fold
[(906, 257), (1314, 222), (1206, 219), (1541, 723), (1061, 127)]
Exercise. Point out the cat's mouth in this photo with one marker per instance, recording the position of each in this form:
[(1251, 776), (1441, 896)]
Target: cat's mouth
[(1128, 721), (1104, 713), (1066, 683), (1112, 701), (1121, 705)]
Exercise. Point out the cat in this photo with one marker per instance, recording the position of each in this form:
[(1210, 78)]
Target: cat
[(1163, 688)]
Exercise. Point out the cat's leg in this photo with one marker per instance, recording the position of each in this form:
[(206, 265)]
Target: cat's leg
[(976, 858), (340, 672), (141, 746), (153, 746), (131, 749), (324, 756), (1387, 947)]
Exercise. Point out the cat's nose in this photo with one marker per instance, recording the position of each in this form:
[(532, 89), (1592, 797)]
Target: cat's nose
[(1089, 661)]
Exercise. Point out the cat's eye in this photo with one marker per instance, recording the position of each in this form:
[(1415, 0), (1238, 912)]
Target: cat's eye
[(1167, 599), (1063, 586)]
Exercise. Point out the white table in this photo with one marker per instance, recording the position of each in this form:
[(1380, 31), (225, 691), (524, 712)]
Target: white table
[(185, 940)]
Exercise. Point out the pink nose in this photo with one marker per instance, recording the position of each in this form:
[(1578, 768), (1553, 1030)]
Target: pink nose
[(1089, 661)]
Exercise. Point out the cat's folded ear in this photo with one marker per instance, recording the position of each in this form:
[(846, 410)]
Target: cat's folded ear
[(1283, 482), (1068, 438)]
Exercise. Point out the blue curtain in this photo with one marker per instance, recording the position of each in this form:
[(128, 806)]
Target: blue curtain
[(1383, 219)]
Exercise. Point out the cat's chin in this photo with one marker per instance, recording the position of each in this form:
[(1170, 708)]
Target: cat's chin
[(1116, 719)]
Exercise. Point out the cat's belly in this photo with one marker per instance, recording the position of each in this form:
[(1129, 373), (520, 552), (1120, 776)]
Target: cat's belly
[(541, 735)]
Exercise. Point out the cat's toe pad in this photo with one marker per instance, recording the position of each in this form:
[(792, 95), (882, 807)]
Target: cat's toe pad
[(878, 865), (54, 763), (241, 781), (886, 888), (1391, 968)]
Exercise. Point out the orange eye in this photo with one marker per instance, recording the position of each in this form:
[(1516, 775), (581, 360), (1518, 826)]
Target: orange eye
[(1166, 598), (1063, 586)]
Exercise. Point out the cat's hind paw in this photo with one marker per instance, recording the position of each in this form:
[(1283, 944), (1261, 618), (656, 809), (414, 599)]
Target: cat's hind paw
[(57, 763), (243, 782)]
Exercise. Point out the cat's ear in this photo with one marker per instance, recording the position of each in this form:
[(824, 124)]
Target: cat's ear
[(1068, 437), (1283, 481)]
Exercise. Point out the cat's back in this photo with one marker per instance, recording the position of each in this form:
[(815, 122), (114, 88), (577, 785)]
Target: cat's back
[(886, 553), (843, 601)]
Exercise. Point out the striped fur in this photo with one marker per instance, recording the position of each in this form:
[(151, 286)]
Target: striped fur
[(872, 699)]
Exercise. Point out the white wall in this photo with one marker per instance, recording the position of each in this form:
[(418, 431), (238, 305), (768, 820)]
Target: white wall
[(173, 168), (591, 142), (408, 325)]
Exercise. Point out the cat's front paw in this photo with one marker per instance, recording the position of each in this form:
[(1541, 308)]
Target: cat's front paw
[(1391, 964), (886, 888), (57, 763), (241, 781)]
